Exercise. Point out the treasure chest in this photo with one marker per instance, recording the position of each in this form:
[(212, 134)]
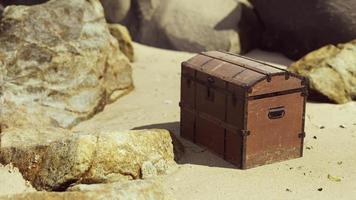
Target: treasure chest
[(248, 112)]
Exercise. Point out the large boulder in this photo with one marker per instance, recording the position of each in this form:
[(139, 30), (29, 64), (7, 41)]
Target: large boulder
[(331, 71), (54, 159), (187, 25), (298, 27), (135, 190), (60, 61)]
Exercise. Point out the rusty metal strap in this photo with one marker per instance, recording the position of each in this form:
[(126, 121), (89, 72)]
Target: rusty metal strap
[(212, 119), (302, 90), (231, 80), (288, 73), (258, 61), (223, 90), (219, 89)]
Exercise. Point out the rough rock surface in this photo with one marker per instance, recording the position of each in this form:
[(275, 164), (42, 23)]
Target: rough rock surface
[(193, 26), (52, 161), (123, 37), (297, 27), (60, 56), (135, 190), (331, 71)]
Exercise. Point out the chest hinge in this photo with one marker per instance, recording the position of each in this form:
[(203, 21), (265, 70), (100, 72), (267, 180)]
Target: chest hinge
[(245, 133), (301, 135), (304, 92)]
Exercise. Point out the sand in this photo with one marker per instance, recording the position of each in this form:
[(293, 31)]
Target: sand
[(201, 174), (12, 182)]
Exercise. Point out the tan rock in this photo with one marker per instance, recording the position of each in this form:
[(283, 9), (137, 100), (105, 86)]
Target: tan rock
[(331, 71), (52, 161), (60, 56), (122, 35), (135, 190), (23, 116)]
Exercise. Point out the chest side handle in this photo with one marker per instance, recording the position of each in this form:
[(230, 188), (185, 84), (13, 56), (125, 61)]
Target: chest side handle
[(276, 112)]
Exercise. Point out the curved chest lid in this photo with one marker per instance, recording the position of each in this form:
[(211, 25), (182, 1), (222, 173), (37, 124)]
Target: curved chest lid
[(246, 72)]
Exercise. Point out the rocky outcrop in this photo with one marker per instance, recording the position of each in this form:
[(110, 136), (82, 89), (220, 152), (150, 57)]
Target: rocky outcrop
[(59, 65), (331, 71), (298, 27), (60, 61), (54, 159), (181, 25), (123, 37), (138, 190)]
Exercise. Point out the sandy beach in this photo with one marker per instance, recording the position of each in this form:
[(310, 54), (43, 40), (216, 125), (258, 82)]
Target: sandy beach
[(326, 171), (202, 175)]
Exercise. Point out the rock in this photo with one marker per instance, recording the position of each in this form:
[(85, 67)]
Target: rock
[(180, 25), (54, 160), (116, 10), (334, 178), (29, 116), (60, 61), (123, 37), (59, 65), (148, 170), (331, 71), (296, 28), (138, 190)]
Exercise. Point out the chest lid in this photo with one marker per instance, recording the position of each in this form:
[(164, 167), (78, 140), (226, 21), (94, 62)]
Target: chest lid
[(255, 76)]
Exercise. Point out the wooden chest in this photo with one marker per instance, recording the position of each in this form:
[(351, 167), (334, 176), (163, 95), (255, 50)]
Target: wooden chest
[(246, 111)]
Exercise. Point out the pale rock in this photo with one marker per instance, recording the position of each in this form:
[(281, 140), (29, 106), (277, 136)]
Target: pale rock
[(53, 160), (123, 37), (148, 170), (60, 61), (331, 71)]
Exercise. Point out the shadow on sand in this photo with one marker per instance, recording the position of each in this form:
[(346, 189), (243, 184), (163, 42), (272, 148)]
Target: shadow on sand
[(187, 152)]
